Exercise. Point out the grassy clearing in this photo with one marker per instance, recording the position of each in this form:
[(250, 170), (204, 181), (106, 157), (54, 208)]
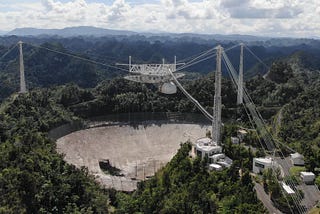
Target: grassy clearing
[(314, 210), (295, 170)]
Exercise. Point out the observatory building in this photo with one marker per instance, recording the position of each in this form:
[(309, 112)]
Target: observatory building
[(297, 159), (307, 177), (260, 164), (205, 147)]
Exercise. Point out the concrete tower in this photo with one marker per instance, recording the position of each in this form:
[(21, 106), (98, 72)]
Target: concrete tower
[(240, 80), (216, 122), (23, 88)]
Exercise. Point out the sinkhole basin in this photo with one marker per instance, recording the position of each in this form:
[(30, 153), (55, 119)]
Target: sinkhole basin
[(138, 150)]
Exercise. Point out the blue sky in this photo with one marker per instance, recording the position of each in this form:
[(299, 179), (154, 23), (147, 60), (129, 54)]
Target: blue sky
[(255, 17)]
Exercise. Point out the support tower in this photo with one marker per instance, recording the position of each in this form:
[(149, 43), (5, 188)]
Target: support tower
[(23, 88), (216, 122), (240, 80)]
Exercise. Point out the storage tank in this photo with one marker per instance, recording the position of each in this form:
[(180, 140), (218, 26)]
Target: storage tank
[(168, 88)]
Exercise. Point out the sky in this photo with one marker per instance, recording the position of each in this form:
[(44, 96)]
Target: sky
[(276, 18)]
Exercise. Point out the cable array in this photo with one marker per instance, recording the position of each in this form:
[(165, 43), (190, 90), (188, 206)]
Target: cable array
[(255, 56), (77, 57), (6, 53), (203, 57), (255, 118), (269, 142), (193, 100)]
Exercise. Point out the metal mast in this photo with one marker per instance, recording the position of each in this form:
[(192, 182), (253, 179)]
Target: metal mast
[(129, 64), (240, 80), (216, 122), (23, 88)]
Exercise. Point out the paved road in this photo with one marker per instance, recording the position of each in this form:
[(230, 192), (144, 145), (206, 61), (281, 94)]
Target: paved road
[(285, 164), (265, 199), (311, 195)]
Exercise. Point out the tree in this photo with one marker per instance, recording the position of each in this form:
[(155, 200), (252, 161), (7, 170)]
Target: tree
[(280, 72)]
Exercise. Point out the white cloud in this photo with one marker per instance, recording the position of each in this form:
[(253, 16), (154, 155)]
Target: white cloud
[(118, 10), (268, 17), (257, 9), (191, 10), (262, 13)]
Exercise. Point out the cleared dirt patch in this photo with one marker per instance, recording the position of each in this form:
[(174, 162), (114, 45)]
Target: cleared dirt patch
[(138, 151)]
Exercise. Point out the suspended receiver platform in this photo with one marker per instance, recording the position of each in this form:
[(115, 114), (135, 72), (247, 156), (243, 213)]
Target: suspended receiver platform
[(154, 74)]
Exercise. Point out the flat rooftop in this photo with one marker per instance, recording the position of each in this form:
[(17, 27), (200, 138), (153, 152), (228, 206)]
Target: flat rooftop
[(287, 188), (216, 166), (205, 140), (264, 160), (307, 173), (207, 145)]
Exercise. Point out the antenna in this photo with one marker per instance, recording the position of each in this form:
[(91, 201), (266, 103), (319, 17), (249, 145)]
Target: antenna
[(240, 80), (216, 122), (23, 88)]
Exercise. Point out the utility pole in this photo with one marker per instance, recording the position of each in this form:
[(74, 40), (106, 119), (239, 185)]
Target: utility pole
[(23, 88), (216, 122), (240, 80)]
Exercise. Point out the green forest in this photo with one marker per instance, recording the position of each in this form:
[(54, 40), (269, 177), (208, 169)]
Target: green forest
[(34, 178)]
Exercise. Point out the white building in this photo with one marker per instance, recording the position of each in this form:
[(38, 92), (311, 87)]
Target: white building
[(226, 163), (205, 147), (287, 188), (260, 164), (215, 167), (297, 159), (216, 157), (307, 177)]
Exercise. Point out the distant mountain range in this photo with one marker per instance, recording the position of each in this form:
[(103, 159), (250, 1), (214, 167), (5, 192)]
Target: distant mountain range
[(69, 32), (2, 32), (98, 32), (89, 32)]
